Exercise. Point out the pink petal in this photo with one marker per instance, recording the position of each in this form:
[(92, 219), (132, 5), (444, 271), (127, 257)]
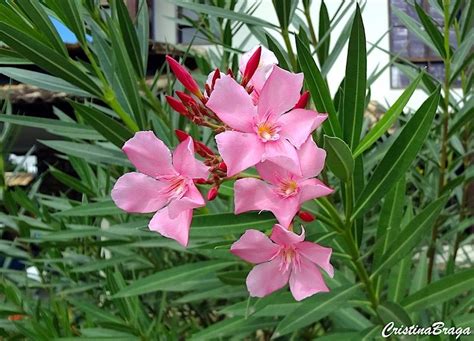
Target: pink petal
[(285, 209), (311, 158), (282, 153), (176, 228), (271, 172), (317, 254), (306, 280), (253, 194), (239, 150), (186, 164), (139, 193), (285, 237), (149, 154), (312, 189), (191, 199), (266, 278), (254, 247), (267, 58), (298, 124), (279, 94), (232, 104)]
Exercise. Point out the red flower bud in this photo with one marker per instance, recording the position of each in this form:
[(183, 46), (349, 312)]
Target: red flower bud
[(177, 105), (200, 181), (215, 77), (306, 216), (251, 66), (202, 149), (230, 73), (184, 77), (303, 101), (185, 98), (212, 194), (16, 317), (181, 135), (222, 166)]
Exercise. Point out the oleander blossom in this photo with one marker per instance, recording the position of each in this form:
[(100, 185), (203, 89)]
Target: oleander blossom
[(163, 184), (283, 192), (272, 130), (282, 258)]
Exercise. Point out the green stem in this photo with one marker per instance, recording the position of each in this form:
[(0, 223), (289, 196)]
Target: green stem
[(307, 14), (444, 142), (154, 102), (286, 37)]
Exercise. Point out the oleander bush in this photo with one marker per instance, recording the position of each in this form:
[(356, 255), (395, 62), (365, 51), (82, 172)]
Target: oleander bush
[(384, 207)]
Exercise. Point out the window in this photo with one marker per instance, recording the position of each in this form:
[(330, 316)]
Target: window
[(409, 46), (186, 32)]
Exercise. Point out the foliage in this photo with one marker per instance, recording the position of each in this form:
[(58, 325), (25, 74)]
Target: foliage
[(400, 204)]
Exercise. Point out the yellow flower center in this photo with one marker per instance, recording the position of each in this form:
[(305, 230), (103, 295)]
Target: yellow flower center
[(288, 188), (268, 132)]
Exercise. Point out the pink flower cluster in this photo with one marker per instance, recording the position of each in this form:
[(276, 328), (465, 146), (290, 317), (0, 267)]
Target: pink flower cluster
[(259, 122)]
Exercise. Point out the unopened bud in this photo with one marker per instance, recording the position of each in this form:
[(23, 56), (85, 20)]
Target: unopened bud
[(306, 216), (177, 105), (212, 194), (251, 66), (200, 181), (184, 77), (181, 135), (230, 73), (303, 101), (185, 98), (215, 77), (222, 166)]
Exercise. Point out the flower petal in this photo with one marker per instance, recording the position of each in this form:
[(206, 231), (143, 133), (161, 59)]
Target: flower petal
[(312, 189), (266, 278), (253, 195), (149, 154), (285, 237), (279, 94), (285, 209), (306, 280), (312, 158), (298, 124), (283, 154), (232, 104), (317, 254), (190, 200), (254, 247), (138, 193), (271, 172), (186, 164), (239, 150), (264, 69), (176, 228)]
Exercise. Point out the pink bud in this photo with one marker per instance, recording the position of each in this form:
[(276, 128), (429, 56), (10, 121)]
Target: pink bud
[(199, 147), (222, 166), (303, 101), (185, 98), (306, 216), (184, 77), (212, 194), (251, 66), (177, 105)]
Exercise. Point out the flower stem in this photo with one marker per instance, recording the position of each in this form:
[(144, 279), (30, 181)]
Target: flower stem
[(286, 37)]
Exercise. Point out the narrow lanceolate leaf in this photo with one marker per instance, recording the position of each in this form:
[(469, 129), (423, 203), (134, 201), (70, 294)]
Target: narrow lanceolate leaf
[(355, 83), (400, 155), (432, 30), (284, 10), (104, 124), (69, 12), (236, 327), (47, 58), (318, 88), (324, 28), (387, 119), (278, 50), (411, 235), (339, 158), (440, 291), (393, 312), (315, 308), (93, 209), (168, 279)]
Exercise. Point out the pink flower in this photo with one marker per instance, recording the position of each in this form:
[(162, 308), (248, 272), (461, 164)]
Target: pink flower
[(163, 184), (283, 192), (283, 258), (266, 131), (264, 68)]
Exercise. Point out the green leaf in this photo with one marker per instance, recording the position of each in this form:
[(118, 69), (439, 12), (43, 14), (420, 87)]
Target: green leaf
[(440, 291), (232, 327), (433, 32), (42, 81), (318, 88), (57, 127), (70, 181), (102, 208), (89, 152), (315, 308), (69, 12), (47, 58), (411, 234), (167, 280), (284, 10), (400, 155), (388, 118), (339, 158), (393, 312), (355, 83), (324, 27), (278, 50), (104, 124)]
